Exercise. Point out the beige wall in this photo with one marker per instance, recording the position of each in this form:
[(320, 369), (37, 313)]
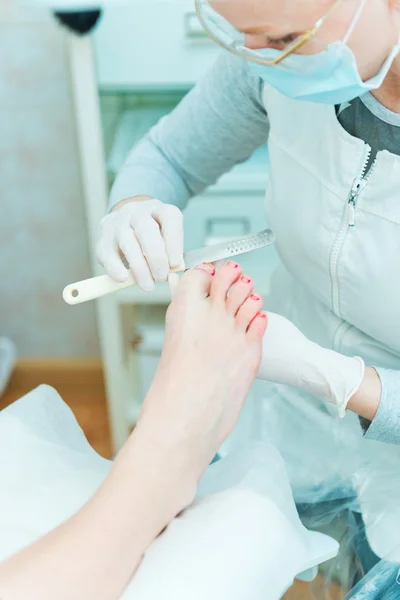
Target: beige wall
[(42, 225)]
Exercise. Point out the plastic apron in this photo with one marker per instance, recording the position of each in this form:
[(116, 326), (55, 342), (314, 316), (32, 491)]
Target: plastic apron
[(340, 284)]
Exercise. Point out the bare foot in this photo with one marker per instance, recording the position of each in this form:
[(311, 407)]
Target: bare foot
[(211, 355)]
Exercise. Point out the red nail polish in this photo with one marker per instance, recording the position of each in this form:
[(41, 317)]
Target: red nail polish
[(230, 263), (263, 315), (245, 279), (255, 297)]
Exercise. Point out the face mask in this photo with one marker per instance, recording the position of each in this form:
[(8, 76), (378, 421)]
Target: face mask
[(328, 77)]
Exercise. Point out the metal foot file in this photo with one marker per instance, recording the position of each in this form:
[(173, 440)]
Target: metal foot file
[(95, 287)]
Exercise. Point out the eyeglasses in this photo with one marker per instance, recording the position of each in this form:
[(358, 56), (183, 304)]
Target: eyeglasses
[(227, 36)]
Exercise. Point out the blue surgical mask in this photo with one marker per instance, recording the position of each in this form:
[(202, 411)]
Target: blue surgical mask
[(328, 77)]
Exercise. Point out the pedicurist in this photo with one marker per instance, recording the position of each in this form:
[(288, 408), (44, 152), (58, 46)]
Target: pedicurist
[(320, 80)]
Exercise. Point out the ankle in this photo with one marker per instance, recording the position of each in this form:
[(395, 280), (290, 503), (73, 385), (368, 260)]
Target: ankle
[(165, 463)]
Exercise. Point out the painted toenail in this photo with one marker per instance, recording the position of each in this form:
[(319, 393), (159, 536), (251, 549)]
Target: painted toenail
[(255, 297), (263, 315), (245, 279), (232, 264), (207, 267)]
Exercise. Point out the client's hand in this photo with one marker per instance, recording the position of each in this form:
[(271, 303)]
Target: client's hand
[(290, 358)]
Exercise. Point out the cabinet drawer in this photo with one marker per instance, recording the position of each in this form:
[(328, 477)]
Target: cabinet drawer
[(153, 43), (216, 215), (232, 215)]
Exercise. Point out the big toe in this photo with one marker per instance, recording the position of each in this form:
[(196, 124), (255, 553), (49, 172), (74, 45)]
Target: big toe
[(195, 282)]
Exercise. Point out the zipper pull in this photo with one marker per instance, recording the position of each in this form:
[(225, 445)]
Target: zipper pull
[(352, 213), (358, 186)]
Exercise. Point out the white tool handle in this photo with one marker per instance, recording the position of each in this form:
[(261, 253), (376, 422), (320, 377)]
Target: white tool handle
[(95, 287)]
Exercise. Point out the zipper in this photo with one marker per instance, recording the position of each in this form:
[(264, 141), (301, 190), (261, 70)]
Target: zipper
[(357, 187), (348, 220), (359, 184)]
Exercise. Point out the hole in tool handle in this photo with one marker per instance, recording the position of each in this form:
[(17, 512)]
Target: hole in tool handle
[(74, 293)]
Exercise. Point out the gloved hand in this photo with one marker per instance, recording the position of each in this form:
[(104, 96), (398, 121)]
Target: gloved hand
[(290, 358), (149, 234)]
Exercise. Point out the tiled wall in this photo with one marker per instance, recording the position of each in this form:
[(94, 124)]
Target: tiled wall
[(42, 225)]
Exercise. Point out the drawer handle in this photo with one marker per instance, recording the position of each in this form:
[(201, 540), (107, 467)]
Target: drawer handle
[(235, 225), (193, 28)]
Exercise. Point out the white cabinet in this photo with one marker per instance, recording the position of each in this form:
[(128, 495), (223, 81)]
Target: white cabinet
[(140, 47), (153, 43)]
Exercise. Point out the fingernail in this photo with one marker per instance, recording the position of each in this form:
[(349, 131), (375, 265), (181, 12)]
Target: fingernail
[(207, 267), (161, 275), (263, 315), (245, 279), (255, 297), (175, 260), (232, 264), (148, 286)]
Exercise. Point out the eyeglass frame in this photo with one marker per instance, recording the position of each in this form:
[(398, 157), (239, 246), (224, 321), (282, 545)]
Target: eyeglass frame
[(298, 43)]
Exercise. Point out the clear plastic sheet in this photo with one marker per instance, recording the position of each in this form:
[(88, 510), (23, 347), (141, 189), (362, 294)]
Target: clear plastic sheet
[(343, 484), (341, 487)]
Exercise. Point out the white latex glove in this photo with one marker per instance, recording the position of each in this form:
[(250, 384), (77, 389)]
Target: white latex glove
[(173, 281), (291, 359), (149, 234)]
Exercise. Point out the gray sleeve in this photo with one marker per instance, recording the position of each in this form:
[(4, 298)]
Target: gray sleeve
[(220, 123), (386, 425)]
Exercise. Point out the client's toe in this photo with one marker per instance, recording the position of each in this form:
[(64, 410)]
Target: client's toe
[(196, 282), (249, 309), (224, 278), (238, 293), (257, 327)]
